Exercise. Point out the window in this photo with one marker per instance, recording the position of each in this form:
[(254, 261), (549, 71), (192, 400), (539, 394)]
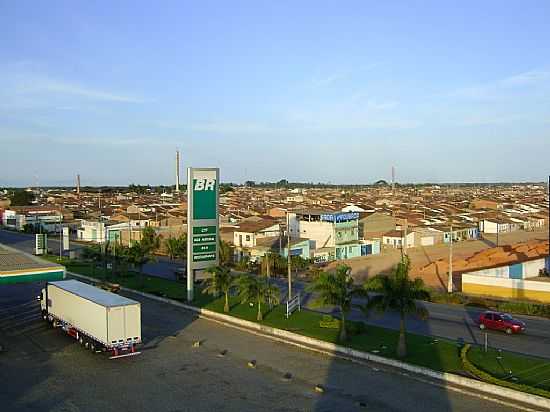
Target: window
[(497, 318), (247, 238), (489, 316)]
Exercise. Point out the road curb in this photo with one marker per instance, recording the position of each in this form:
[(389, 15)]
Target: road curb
[(335, 350)]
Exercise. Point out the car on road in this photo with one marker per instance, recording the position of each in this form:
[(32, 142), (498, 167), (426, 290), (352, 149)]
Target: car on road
[(500, 321)]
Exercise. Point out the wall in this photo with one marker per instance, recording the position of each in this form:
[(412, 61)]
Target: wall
[(521, 270), (321, 232), (346, 232), (506, 288)]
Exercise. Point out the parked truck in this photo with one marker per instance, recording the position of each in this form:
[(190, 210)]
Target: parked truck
[(99, 320)]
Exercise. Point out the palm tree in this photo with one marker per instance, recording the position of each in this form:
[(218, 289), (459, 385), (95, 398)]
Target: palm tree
[(150, 239), (397, 292), (93, 254), (221, 282), (257, 290), (173, 245), (138, 255), (226, 253), (336, 289)]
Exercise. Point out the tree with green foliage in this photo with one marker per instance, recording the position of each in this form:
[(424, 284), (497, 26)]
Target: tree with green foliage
[(92, 254), (150, 239), (258, 291), (399, 293), (336, 288), (226, 188), (226, 253), (222, 281), (176, 247), (138, 255), (299, 264), (21, 198), (243, 265)]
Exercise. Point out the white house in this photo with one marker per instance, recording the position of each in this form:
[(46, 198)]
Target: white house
[(396, 239), (91, 232), (247, 233)]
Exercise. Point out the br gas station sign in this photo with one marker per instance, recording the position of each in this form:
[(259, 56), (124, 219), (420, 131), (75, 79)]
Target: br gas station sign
[(202, 222)]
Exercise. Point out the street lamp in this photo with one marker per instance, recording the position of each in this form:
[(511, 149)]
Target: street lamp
[(450, 278)]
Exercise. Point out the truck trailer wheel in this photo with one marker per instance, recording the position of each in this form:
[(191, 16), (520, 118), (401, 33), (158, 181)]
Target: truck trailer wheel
[(92, 346), (81, 340)]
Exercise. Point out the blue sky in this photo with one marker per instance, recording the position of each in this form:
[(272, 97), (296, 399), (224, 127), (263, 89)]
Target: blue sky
[(303, 90)]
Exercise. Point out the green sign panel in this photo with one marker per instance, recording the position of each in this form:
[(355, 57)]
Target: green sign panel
[(204, 248), (204, 239), (203, 230), (204, 198), (204, 257)]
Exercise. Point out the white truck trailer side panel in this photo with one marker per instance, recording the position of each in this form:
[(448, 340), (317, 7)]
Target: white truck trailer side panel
[(83, 314)]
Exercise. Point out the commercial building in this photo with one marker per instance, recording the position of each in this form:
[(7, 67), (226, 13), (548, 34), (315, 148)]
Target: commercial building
[(334, 235), (40, 218)]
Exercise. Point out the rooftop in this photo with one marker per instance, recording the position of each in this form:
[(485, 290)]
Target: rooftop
[(15, 260)]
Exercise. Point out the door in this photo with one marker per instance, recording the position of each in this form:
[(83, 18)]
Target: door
[(498, 322), (116, 324), (489, 320), (516, 271)]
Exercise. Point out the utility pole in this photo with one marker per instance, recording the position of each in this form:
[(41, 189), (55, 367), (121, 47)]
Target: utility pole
[(450, 279), (60, 239), (288, 256), (498, 225), (405, 239), (268, 269)]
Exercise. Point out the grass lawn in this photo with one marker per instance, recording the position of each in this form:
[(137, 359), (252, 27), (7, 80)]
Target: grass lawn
[(530, 371), (437, 354)]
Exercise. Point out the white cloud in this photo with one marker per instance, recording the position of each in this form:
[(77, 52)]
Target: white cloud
[(27, 86), (62, 87), (526, 78), (38, 85), (327, 80), (498, 88)]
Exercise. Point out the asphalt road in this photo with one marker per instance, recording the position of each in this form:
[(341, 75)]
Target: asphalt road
[(44, 369)]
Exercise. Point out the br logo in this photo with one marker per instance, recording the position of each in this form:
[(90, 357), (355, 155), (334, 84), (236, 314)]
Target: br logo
[(204, 184)]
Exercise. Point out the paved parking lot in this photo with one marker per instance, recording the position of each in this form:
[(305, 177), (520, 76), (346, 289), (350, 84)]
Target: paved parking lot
[(43, 369)]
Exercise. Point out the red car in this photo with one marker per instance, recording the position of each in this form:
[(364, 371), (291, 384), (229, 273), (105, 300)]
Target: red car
[(500, 321)]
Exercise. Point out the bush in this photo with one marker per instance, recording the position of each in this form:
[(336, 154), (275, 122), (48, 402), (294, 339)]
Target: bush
[(329, 322), (524, 308), (453, 298), (484, 376), (355, 328)]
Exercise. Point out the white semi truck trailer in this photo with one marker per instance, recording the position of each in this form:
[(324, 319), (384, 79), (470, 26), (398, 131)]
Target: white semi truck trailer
[(99, 320)]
